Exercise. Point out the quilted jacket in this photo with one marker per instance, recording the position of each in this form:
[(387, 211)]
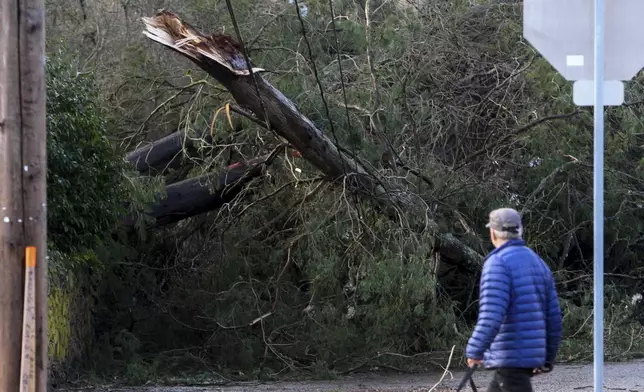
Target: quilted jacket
[(519, 323)]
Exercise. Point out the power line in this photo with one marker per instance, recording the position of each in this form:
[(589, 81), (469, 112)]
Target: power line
[(231, 12), (319, 83), (337, 45)]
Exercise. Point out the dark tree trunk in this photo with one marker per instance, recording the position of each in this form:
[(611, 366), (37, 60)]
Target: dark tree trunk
[(202, 194), (158, 156)]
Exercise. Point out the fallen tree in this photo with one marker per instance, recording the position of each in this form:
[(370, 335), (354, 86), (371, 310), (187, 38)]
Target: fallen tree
[(222, 58), (202, 194)]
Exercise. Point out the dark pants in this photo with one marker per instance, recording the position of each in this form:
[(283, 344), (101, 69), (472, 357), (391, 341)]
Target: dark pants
[(511, 380)]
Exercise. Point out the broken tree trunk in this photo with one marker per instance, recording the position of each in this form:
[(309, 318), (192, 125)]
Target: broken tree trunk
[(158, 156), (221, 57), (202, 194), (166, 153)]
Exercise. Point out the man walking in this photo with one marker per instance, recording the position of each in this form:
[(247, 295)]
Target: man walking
[(519, 325)]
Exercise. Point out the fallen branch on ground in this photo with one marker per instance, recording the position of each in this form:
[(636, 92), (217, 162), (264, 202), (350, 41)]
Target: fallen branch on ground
[(449, 361)]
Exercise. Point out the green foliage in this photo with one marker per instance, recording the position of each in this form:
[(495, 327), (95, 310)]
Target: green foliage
[(90, 188), (622, 335), (86, 195)]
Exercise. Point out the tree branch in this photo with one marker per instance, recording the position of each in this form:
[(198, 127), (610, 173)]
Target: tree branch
[(516, 133)]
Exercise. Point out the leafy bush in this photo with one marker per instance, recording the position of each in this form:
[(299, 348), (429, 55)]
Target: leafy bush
[(86, 192)]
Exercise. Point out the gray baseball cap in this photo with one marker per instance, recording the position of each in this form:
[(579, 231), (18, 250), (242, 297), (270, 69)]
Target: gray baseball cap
[(505, 219)]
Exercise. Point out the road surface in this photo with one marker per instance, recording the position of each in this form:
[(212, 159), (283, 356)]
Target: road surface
[(624, 376)]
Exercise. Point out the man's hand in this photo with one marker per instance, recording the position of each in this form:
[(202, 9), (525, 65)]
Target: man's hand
[(547, 368), (471, 362)]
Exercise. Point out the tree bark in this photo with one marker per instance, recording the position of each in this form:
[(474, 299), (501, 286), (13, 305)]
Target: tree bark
[(221, 57), (202, 194)]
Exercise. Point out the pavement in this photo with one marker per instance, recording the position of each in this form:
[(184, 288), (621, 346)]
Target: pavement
[(620, 376)]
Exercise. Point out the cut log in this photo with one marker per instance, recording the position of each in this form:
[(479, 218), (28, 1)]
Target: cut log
[(202, 194), (221, 57)]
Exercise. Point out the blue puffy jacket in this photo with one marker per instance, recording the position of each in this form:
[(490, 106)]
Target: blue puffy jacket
[(519, 323)]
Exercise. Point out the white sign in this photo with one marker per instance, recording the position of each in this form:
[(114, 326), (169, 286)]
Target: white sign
[(563, 32), (583, 92)]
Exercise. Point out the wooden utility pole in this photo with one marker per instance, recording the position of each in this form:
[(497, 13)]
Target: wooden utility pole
[(23, 173)]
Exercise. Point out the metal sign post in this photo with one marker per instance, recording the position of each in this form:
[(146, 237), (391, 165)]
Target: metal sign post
[(568, 33), (598, 200)]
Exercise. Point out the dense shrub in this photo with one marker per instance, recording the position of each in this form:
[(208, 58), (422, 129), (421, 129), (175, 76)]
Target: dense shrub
[(85, 181)]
